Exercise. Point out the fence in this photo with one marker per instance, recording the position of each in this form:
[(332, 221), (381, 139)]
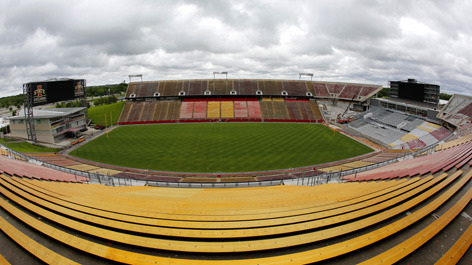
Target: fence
[(306, 178)]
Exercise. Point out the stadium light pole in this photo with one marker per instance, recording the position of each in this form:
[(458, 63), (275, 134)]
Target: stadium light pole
[(131, 76), (221, 73), (305, 74)]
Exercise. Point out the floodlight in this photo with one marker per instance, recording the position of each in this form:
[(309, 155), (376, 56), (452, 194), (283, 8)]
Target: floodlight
[(305, 74)]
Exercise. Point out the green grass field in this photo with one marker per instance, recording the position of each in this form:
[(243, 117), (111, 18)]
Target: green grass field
[(97, 114), (220, 147), (24, 147)]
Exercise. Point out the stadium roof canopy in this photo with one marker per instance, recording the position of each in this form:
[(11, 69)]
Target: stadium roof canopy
[(49, 113)]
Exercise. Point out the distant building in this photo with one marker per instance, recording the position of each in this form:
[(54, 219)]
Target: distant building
[(415, 91), (51, 125), (3, 122)]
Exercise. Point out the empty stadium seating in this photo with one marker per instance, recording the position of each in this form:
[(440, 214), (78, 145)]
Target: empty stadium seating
[(200, 110), (28, 170), (251, 87), (240, 109), (227, 109), (398, 130), (186, 111), (335, 89), (213, 110), (156, 101), (457, 111), (441, 160), (154, 111), (351, 91), (43, 211), (279, 224), (321, 90)]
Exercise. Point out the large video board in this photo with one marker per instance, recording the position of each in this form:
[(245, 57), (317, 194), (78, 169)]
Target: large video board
[(53, 91)]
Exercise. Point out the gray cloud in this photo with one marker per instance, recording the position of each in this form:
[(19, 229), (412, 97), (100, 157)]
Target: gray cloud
[(353, 41)]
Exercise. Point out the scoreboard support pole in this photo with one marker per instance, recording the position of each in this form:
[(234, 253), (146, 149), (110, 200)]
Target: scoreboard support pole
[(29, 121), (84, 101)]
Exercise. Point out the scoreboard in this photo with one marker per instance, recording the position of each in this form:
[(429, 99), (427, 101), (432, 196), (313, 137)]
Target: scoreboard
[(53, 91)]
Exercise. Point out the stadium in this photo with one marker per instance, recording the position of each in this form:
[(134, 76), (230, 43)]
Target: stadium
[(248, 171)]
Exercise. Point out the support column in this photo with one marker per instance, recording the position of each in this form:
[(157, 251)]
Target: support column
[(29, 121)]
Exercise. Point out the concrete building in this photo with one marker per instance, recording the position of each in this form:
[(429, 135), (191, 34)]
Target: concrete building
[(51, 125)]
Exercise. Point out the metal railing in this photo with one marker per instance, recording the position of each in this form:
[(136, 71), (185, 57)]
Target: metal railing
[(307, 177)]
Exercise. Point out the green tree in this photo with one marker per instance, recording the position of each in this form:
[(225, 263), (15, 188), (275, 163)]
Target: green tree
[(384, 92), (445, 96)]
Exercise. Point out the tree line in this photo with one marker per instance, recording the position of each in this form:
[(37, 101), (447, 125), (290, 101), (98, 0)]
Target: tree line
[(79, 103)]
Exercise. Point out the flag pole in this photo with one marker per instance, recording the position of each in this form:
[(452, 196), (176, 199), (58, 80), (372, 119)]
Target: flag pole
[(106, 130)]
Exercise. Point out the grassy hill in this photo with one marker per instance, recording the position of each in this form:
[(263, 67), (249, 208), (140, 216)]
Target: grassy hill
[(221, 147), (97, 114), (24, 147)]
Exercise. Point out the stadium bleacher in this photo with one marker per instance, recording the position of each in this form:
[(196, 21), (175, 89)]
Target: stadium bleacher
[(234, 223), (197, 109), (148, 111), (293, 110), (335, 89), (213, 109), (398, 130), (457, 111), (125, 112), (254, 109), (240, 109), (351, 91), (280, 224), (135, 112), (186, 111), (29, 170), (441, 160), (155, 101), (200, 110), (368, 91), (250, 87), (321, 90), (227, 109)]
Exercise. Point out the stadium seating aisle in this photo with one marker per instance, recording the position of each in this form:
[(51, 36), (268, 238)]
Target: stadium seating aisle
[(36, 249), (405, 248)]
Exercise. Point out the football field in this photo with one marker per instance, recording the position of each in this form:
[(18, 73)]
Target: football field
[(220, 147)]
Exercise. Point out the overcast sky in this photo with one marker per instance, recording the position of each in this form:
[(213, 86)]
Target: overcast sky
[(350, 41)]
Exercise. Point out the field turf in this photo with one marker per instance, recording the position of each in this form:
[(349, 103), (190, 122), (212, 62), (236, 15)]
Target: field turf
[(220, 147)]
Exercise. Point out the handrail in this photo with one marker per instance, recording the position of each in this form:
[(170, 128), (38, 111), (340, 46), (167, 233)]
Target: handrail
[(307, 179)]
